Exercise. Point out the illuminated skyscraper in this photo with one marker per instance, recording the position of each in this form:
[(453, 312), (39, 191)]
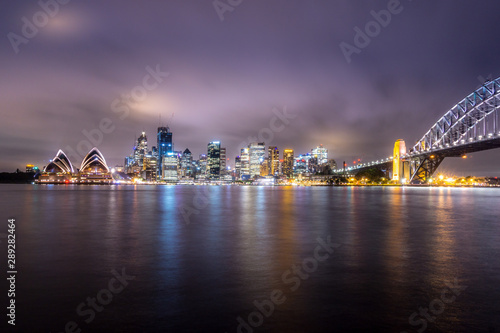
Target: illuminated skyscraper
[(223, 169), (264, 167), (201, 171), (257, 152), (245, 163), (164, 146), (306, 164), (213, 160), (170, 164), (321, 154), (149, 167), (274, 160), (288, 162), (141, 149), (187, 163), (237, 167)]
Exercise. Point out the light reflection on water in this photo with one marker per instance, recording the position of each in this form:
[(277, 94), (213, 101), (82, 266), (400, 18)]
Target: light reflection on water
[(400, 246)]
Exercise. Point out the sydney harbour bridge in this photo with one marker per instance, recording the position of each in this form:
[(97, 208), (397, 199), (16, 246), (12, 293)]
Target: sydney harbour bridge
[(470, 126)]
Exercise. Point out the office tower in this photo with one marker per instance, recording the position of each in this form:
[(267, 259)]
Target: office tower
[(288, 162), (187, 163), (213, 160), (223, 169), (237, 167), (149, 167), (141, 149), (332, 164), (264, 167), (202, 165), (274, 160), (304, 164), (257, 151), (245, 163), (164, 145), (170, 164), (321, 154)]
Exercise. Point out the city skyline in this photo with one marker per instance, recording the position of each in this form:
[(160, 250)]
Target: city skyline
[(227, 84), (147, 161)]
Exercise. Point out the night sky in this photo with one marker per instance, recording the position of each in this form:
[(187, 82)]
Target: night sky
[(227, 76)]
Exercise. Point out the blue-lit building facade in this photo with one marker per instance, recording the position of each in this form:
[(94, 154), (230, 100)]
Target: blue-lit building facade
[(213, 160), (164, 146)]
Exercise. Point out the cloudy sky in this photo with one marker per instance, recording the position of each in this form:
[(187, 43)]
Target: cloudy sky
[(231, 69)]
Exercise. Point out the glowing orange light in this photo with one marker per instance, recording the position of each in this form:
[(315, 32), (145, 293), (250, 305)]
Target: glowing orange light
[(465, 156)]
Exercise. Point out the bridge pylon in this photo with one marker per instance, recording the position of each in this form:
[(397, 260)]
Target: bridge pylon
[(400, 168)]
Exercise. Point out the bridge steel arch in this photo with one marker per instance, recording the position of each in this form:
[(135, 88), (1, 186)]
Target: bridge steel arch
[(475, 116), (471, 125)]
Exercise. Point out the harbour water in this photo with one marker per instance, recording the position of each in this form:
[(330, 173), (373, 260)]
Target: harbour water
[(254, 259)]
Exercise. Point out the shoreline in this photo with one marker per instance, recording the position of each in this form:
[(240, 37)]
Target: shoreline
[(255, 185)]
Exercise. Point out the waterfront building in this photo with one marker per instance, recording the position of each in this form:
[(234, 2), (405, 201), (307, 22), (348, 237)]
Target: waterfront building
[(223, 166), (257, 152), (237, 167), (59, 164), (59, 170), (245, 163), (273, 155), (301, 164), (94, 168), (332, 164), (141, 149), (170, 166), (31, 168), (164, 145), (213, 160), (202, 167), (150, 167), (187, 163), (264, 167), (321, 153), (288, 162)]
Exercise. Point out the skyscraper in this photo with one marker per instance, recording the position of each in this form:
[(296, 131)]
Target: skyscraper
[(150, 167), (202, 164), (170, 163), (288, 161), (321, 154), (164, 146), (223, 169), (264, 167), (245, 163), (141, 149), (304, 164), (187, 163), (213, 160), (274, 160), (237, 167), (257, 152)]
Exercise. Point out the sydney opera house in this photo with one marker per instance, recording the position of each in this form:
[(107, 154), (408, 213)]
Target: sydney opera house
[(93, 170)]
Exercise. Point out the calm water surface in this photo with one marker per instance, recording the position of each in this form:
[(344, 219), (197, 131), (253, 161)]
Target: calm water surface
[(202, 257)]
